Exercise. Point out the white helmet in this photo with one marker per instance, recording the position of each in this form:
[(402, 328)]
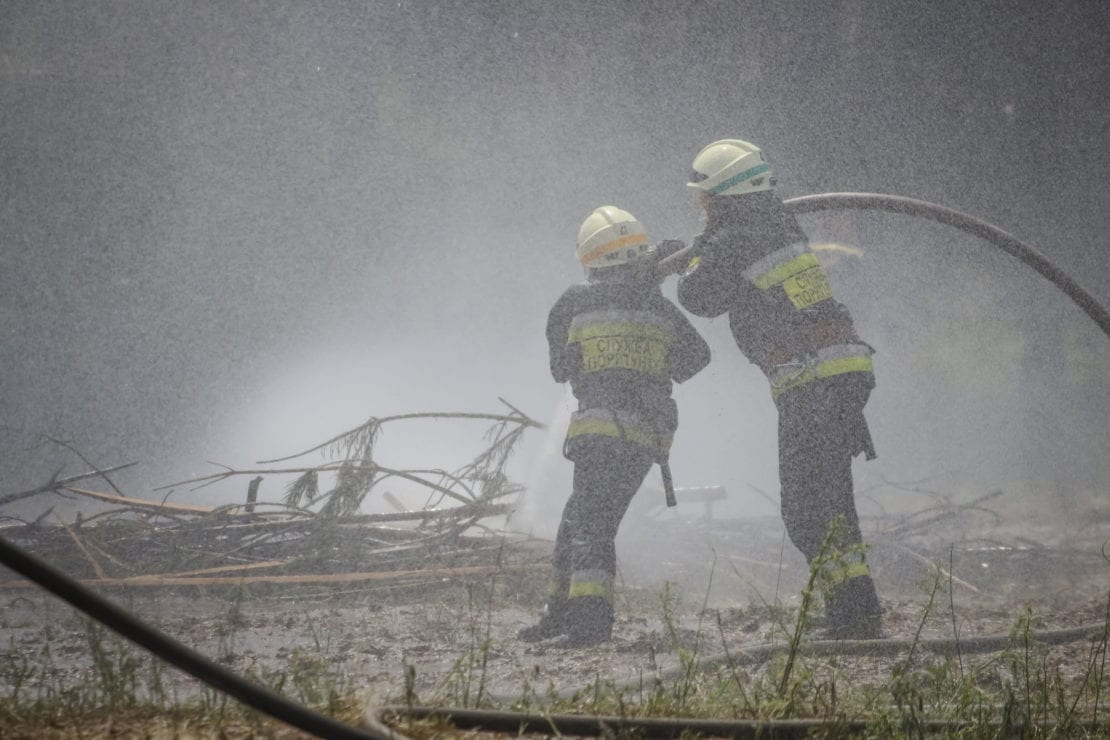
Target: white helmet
[(611, 236), (731, 167)]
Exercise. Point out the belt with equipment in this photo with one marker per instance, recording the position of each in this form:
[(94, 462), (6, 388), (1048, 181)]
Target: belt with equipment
[(823, 363)]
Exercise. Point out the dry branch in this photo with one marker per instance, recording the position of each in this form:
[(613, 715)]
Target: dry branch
[(141, 503), (224, 569), (929, 564), (374, 422), (81, 546), (313, 537), (56, 483)]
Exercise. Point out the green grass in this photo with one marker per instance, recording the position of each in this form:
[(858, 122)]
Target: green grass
[(123, 691), (1026, 689), (1022, 690)]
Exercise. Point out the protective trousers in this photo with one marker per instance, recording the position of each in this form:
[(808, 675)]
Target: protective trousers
[(820, 430), (607, 474)]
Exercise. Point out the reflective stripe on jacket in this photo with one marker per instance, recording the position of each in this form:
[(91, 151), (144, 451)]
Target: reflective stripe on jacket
[(622, 344), (622, 339), (654, 435), (826, 362), (795, 268), (754, 261)]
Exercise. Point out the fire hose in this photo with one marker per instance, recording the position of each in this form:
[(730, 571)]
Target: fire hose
[(967, 223), (277, 706)]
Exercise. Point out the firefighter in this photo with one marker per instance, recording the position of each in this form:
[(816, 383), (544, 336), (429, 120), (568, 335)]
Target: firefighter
[(754, 262), (620, 344)]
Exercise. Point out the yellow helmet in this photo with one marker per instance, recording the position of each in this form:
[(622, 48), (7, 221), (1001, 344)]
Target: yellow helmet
[(731, 167), (611, 236)]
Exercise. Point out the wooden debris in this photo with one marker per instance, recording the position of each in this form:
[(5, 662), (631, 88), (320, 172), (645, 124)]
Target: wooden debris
[(140, 503), (55, 483), (429, 574), (84, 550), (314, 536)]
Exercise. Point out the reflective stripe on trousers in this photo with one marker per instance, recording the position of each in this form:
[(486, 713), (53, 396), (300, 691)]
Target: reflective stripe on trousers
[(834, 576), (591, 583)]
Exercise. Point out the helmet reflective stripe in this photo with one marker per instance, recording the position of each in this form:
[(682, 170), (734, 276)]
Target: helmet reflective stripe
[(827, 362), (595, 255), (745, 175), (611, 236), (731, 167)]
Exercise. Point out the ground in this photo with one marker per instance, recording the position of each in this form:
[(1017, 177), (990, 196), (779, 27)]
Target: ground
[(733, 585)]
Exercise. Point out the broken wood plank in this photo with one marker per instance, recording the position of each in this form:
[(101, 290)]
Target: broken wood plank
[(223, 569), (437, 573), (142, 503)]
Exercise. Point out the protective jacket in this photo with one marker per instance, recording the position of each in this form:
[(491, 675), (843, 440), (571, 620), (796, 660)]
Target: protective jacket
[(621, 344), (754, 262)]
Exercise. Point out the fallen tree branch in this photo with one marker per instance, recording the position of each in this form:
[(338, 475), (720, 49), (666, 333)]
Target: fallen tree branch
[(206, 480), (56, 483), (75, 451), (314, 537), (908, 525), (377, 422)]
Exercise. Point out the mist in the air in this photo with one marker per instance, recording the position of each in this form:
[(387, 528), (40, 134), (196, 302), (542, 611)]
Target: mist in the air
[(229, 232)]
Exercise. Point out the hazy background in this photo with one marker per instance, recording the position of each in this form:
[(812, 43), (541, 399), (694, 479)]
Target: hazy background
[(231, 230)]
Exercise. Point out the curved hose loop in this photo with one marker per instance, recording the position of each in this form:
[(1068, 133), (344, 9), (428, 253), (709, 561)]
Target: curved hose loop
[(965, 222)]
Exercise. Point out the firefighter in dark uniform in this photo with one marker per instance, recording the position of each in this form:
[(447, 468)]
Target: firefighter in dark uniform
[(754, 262), (621, 344)]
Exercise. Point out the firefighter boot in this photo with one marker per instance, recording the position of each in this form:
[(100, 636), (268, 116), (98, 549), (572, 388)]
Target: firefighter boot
[(552, 621), (853, 612), (588, 621)]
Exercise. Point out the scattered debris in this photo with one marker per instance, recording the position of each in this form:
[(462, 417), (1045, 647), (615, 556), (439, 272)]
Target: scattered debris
[(312, 536)]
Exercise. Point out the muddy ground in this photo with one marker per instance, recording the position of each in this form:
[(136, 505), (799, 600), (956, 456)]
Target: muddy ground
[(449, 641)]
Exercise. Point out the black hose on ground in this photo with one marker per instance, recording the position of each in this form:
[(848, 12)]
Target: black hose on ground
[(519, 723), (175, 653), (885, 648), (891, 647), (315, 723)]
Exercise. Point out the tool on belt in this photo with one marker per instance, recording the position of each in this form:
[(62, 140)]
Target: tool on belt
[(668, 483)]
